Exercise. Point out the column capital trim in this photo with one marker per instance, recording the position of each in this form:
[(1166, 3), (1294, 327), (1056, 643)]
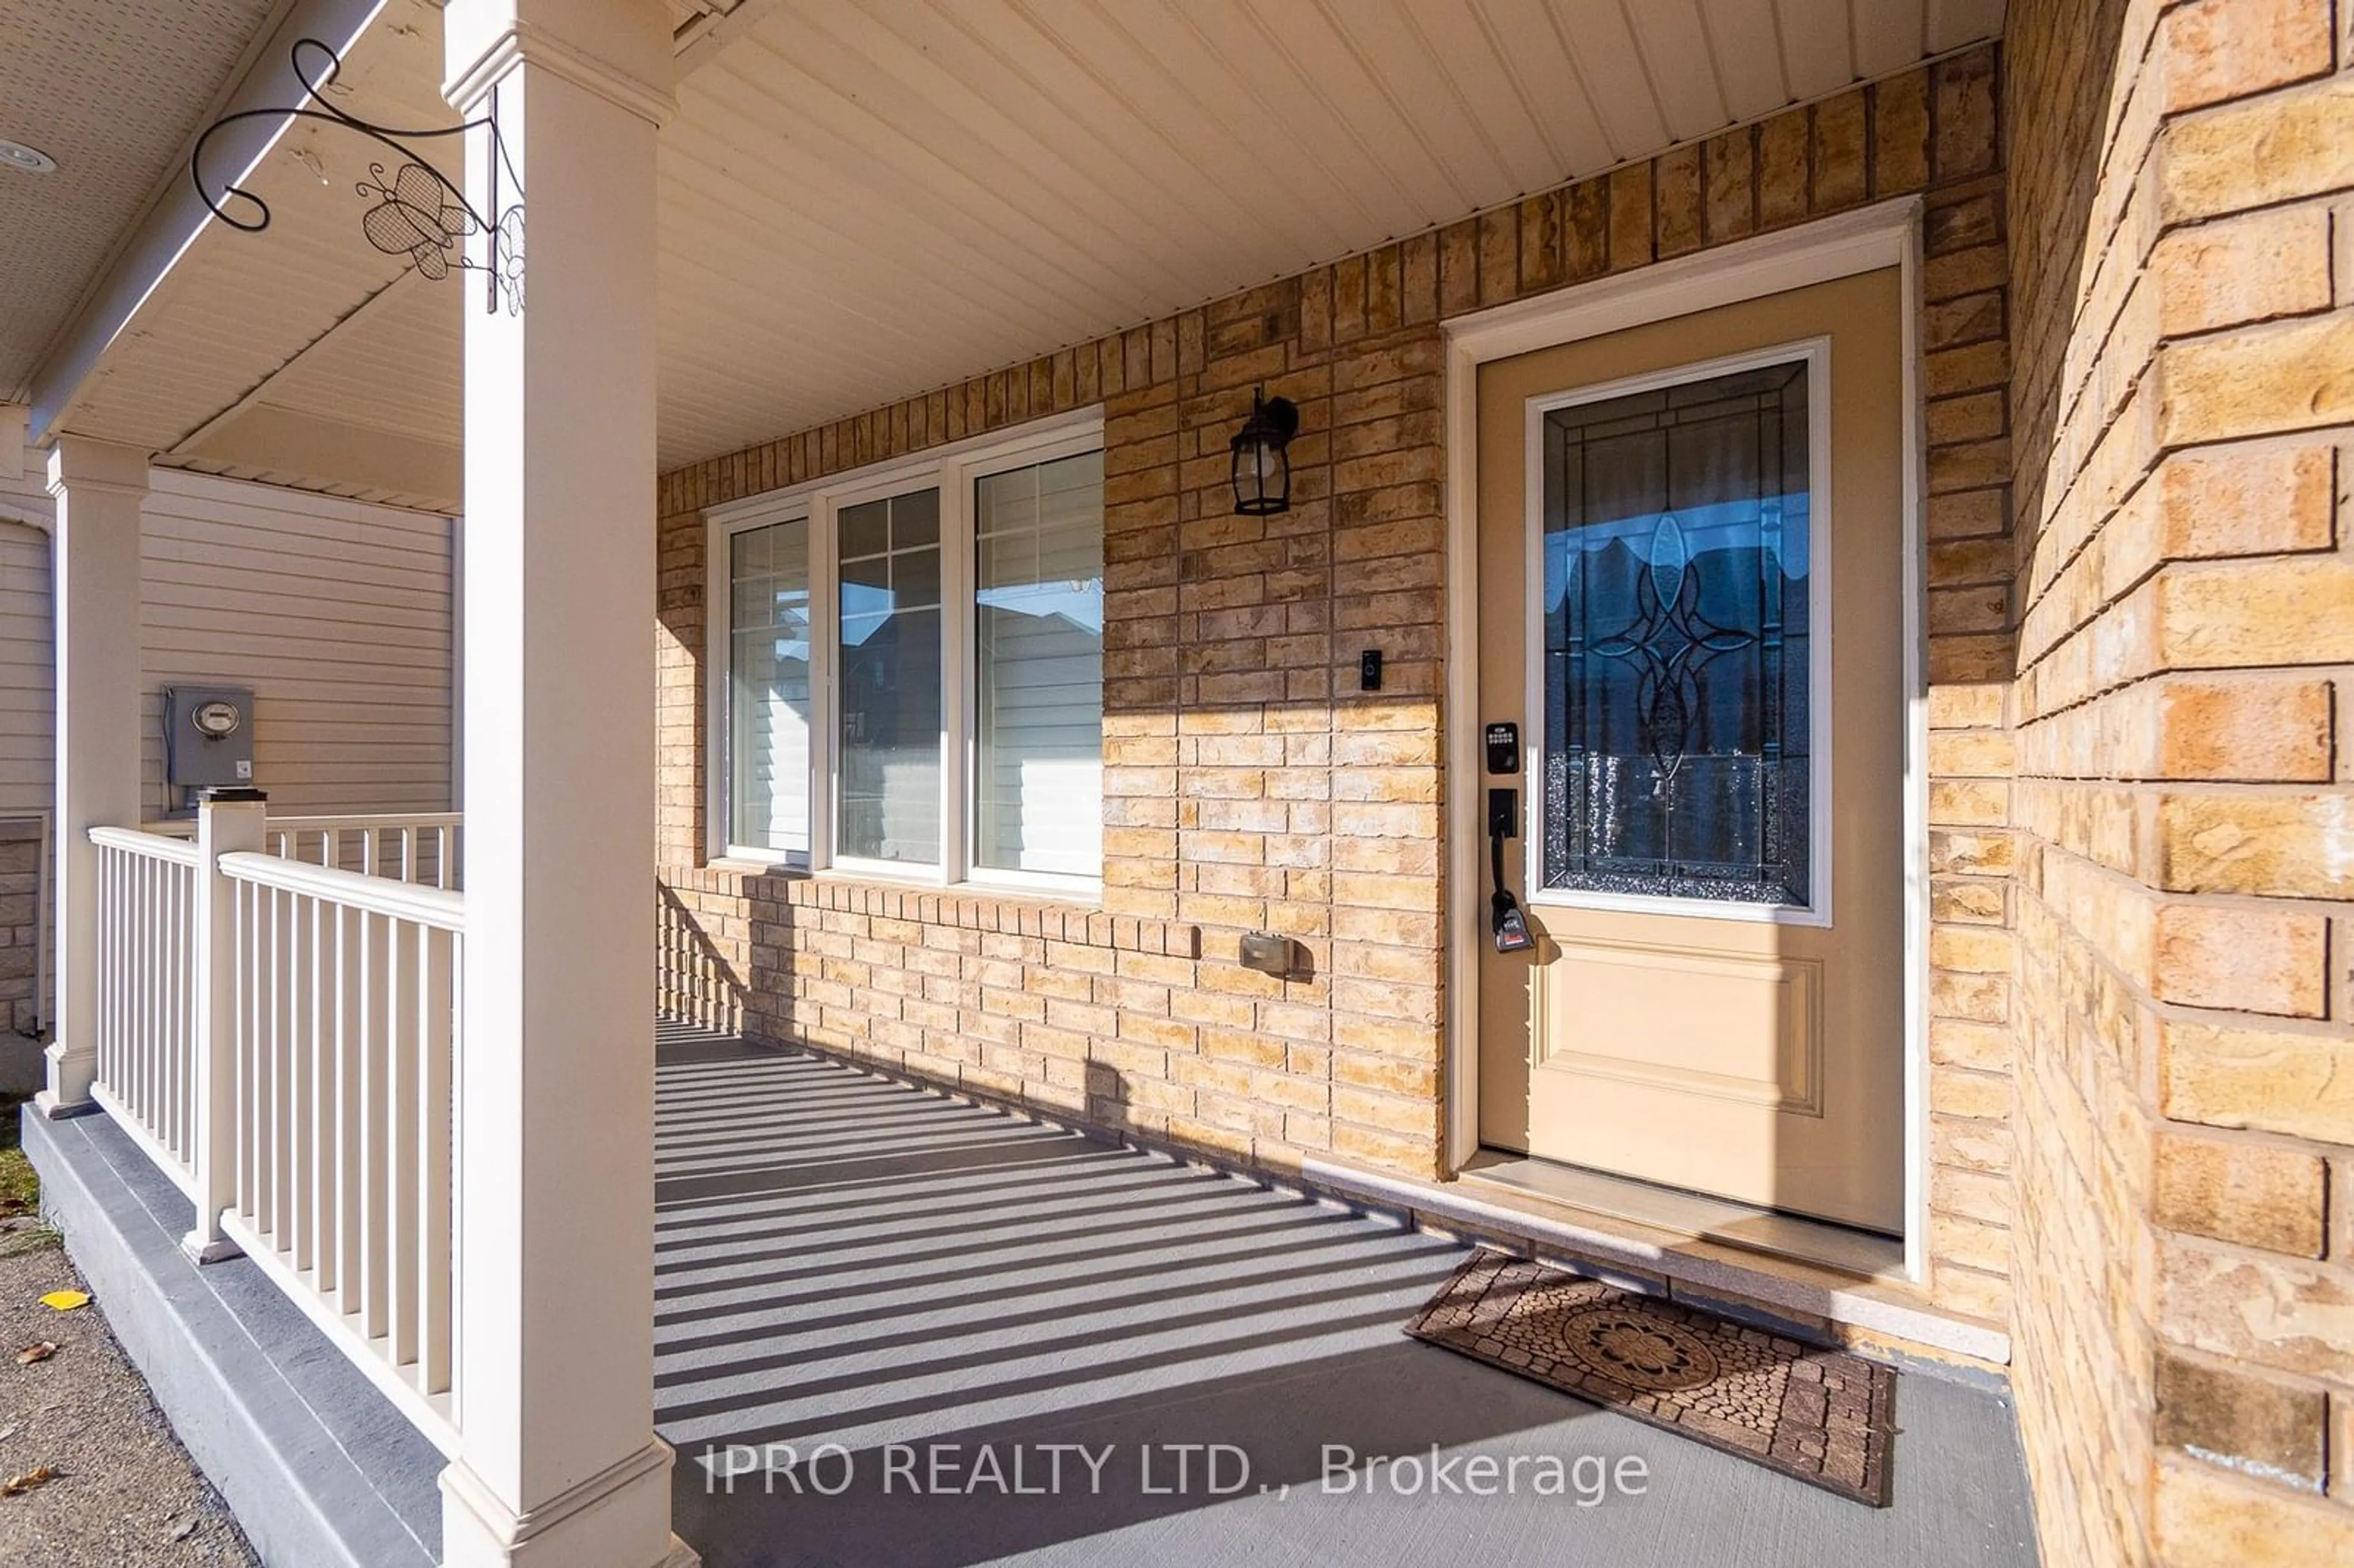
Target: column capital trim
[(521, 43), (85, 464)]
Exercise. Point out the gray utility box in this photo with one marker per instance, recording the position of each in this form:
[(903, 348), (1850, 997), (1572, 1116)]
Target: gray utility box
[(208, 737)]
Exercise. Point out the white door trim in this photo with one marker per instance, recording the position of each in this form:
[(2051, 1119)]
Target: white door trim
[(1886, 235)]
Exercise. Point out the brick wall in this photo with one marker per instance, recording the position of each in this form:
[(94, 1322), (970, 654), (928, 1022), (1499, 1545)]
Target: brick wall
[(2184, 1257), (1249, 784), (20, 925)]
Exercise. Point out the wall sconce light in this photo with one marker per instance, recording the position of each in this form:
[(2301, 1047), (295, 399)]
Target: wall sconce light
[(1262, 468)]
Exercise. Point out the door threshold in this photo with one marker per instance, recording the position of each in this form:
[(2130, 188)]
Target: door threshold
[(1866, 1254)]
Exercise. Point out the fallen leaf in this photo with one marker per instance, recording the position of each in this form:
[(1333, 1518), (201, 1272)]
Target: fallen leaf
[(66, 1300), (17, 1486), (39, 1352)]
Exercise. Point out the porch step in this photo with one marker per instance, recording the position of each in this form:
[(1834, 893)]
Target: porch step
[(320, 1468)]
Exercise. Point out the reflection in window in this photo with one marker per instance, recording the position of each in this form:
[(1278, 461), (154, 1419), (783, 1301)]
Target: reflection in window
[(1038, 676), (1677, 760), (769, 688), (890, 679)]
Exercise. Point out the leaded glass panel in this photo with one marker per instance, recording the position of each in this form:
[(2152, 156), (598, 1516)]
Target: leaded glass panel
[(1677, 761)]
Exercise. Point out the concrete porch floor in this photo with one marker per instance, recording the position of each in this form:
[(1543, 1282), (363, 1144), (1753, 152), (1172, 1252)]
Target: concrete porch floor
[(847, 1263)]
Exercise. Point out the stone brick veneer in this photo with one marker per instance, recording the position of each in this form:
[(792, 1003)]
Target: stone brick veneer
[(20, 925), (1247, 783), (2184, 1257)]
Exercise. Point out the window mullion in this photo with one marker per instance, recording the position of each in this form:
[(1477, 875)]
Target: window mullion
[(956, 671), (825, 629)]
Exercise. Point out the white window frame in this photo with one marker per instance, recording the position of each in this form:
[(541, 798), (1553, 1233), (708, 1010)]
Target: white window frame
[(954, 470)]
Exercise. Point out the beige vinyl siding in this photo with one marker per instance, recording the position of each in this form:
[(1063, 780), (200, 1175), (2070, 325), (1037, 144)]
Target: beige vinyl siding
[(27, 748), (337, 614), (26, 701)]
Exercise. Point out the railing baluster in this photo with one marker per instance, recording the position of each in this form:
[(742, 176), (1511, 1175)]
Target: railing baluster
[(436, 1060), (134, 984), (403, 948), (351, 1148), (265, 1211), (174, 958), (374, 1123), (244, 1087), (318, 1237), (295, 1238)]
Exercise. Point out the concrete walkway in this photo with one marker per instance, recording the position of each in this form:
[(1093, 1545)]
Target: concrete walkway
[(894, 1315)]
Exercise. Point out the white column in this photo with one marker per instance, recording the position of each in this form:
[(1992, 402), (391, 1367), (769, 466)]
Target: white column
[(99, 487), (223, 827), (558, 1465)]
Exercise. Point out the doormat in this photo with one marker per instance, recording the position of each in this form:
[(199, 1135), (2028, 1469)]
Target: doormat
[(1824, 1416)]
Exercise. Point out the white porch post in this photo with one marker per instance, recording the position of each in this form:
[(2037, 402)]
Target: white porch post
[(223, 827), (99, 487), (558, 1466)]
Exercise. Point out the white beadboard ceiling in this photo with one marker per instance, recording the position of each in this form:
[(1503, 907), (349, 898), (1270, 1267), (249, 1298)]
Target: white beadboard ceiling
[(861, 199)]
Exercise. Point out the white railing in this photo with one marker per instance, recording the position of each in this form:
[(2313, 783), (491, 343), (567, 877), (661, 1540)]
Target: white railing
[(147, 887), (421, 847), (278, 1030), (346, 1032)]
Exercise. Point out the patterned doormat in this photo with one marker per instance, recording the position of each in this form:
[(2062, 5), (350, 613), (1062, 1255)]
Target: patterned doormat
[(1823, 1417)]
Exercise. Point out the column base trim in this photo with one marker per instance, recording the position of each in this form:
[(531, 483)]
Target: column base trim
[(199, 1248), (71, 1075), (578, 1528)]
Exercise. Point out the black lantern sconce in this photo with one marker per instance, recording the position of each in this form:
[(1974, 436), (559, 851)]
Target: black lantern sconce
[(1262, 467)]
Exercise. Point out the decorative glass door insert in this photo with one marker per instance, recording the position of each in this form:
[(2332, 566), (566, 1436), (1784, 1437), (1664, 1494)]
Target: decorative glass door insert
[(1677, 624)]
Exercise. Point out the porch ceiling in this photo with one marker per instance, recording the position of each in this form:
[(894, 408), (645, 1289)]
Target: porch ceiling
[(861, 199), (109, 88), (865, 198)]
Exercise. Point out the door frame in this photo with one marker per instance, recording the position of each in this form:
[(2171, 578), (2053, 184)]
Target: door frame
[(1885, 235)]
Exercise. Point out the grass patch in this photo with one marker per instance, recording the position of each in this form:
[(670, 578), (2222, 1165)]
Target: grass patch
[(20, 1188)]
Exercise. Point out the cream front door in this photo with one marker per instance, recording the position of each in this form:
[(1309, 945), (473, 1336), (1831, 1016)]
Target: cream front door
[(1690, 600)]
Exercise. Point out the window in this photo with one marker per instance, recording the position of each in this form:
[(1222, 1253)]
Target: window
[(913, 673), (889, 804), (1038, 668), (768, 687)]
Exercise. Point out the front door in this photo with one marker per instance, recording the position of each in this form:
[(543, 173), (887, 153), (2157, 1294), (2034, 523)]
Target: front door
[(1692, 605)]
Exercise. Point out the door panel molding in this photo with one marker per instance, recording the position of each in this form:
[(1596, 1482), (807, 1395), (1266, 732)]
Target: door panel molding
[(1796, 1084), (1885, 235)]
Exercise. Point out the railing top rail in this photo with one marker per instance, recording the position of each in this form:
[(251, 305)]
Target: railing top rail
[(139, 842), (373, 820), (377, 895)]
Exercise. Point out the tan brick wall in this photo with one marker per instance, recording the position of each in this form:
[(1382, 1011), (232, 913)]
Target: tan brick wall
[(2184, 1257), (1248, 783), (20, 928)]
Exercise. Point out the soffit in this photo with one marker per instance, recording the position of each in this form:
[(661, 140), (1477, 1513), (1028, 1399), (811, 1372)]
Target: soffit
[(112, 89), (240, 309), (863, 199)]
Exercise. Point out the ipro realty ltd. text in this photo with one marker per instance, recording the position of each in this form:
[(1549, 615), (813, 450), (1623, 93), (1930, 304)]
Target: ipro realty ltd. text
[(1157, 1469)]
